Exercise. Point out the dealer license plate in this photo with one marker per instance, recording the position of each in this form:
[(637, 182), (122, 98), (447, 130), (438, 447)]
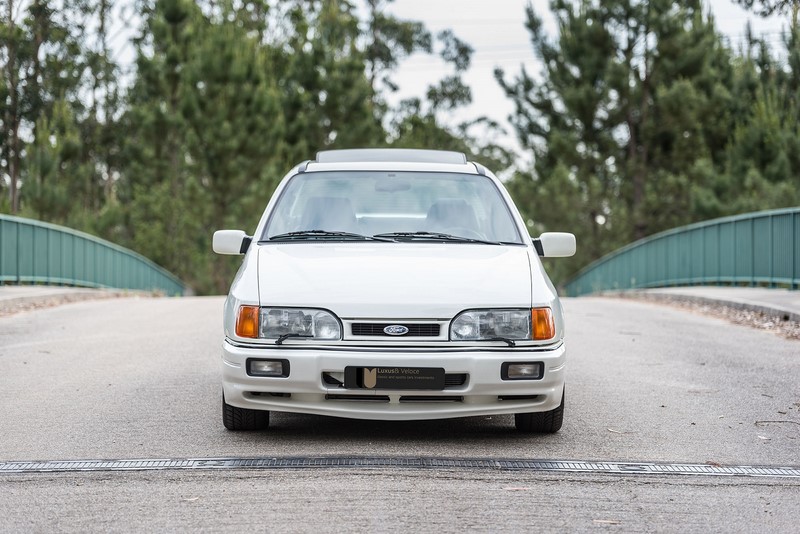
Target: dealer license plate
[(430, 378)]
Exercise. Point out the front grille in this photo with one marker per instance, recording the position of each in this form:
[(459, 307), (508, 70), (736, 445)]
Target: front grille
[(451, 380), (414, 329)]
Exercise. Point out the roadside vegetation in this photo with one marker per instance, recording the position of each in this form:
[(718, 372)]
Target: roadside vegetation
[(639, 116)]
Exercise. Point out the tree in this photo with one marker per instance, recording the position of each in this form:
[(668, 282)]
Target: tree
[(158, 187), (618, 119), (231, 108), (39, 63), (55, 169), (389, 40), (327, 99), (45, 62), (566, 118), (680, 120), (766, 8), (763, 156), (101, 132)]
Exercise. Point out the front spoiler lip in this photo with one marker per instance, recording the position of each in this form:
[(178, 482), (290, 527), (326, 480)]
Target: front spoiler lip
[(417, 411)]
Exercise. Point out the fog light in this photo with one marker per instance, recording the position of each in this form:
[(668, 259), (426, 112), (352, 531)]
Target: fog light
[(521, 371), (277, 368)]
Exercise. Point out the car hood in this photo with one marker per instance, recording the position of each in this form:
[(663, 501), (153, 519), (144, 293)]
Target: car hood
[(394, 280)]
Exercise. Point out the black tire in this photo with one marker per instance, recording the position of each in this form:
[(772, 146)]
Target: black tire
[(242, 418), (541, 422)]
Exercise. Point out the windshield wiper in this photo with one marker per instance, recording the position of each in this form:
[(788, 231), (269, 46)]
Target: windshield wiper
[(434, 236), (284, 337), (323, 234), (505, 339)]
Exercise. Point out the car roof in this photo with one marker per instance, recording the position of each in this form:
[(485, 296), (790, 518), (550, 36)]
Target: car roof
[(406, 155), (392, 159)]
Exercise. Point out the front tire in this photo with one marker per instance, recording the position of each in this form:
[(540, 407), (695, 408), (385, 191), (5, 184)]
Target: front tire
[(243, 418), (541, 422)]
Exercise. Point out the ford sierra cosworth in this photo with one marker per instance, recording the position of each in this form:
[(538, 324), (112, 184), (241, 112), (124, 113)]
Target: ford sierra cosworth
[(393, 284)]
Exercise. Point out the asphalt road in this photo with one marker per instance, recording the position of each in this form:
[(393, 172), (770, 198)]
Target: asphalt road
[(139, 378)]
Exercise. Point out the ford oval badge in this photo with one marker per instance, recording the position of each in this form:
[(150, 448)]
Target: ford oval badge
[(395, 330)]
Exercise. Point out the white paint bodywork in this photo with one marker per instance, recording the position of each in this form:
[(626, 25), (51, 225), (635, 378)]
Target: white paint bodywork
[(557, 244), (228, 242), (392, 282)]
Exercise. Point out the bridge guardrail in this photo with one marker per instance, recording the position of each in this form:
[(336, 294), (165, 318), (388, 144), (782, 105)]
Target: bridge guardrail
[(761, 248), (35, 252)]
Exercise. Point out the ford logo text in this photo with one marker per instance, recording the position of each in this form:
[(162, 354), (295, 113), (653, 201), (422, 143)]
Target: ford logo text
[(395, 330)]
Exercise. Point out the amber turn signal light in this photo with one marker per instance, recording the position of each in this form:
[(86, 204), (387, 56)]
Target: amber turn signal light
[(543, 325), (247, 322)]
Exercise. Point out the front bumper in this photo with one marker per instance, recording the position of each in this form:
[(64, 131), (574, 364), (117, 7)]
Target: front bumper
[(305, 391)]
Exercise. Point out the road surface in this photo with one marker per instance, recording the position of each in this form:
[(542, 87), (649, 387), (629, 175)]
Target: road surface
[(139, 378)]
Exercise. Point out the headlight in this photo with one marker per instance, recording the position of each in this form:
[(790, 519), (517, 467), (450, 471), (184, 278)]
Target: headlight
[(524, 324), (304, 322), (274, 323)]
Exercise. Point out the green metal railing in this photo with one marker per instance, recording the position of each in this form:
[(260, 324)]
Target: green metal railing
[(34, 252), (761, 248)]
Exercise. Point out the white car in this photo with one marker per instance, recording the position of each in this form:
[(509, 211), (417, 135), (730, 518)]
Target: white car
[(397, 285)]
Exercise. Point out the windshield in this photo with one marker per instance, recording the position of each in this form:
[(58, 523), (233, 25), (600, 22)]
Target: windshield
[(391, 205)]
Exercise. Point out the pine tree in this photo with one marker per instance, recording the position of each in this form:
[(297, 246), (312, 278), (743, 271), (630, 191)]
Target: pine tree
[(625, 120), (101, 133), (766, 8), (158, 187), (39, 65), (763, 156), (388, 41), (55, 169), (327, 98), (567, 118)]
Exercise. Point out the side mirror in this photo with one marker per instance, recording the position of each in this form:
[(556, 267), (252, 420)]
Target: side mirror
[(556, 245), (230, 242)]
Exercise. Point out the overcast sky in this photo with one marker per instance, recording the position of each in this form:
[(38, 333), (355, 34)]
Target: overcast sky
[(495, 29)]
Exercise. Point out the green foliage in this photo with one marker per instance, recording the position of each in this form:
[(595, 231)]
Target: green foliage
[(40, 63), (639, 117), (327, 99), (641, 120), (766, 8), (57, 174), (206, 125), (388, 41)]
